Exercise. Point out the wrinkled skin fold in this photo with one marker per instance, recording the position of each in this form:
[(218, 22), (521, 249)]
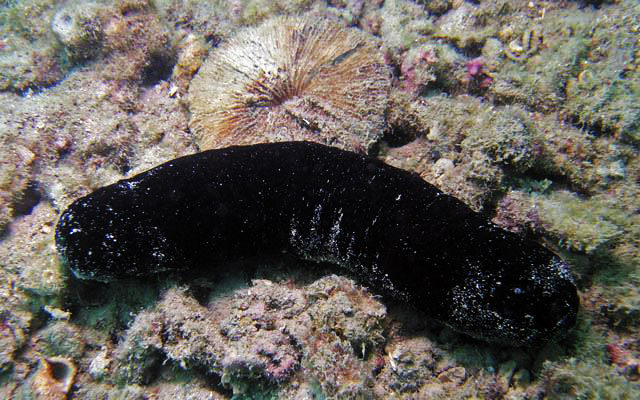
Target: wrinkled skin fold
[(388, 226)]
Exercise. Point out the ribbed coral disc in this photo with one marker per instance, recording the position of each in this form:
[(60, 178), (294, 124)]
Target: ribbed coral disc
[(291, 79)]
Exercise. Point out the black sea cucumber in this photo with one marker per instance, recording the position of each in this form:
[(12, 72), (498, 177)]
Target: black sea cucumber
[(387, 225)]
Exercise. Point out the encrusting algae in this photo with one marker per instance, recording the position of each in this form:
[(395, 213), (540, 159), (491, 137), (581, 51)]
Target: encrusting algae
[(291, 79)]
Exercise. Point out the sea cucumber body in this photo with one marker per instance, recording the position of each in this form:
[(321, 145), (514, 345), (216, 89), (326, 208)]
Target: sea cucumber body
[(399, 233)]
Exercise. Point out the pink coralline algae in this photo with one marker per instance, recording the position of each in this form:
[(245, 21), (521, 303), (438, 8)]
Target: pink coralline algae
[(416, 70), (477, 74)]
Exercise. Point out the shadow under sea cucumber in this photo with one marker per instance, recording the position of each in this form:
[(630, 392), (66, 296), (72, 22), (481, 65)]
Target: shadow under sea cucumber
[(398, 232)]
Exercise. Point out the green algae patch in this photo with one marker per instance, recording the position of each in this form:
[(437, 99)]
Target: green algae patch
[(582, 225), (583, 379), (550, 55), (603, 94)]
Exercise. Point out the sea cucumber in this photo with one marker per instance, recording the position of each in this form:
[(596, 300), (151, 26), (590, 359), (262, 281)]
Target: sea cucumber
[(399, 233)]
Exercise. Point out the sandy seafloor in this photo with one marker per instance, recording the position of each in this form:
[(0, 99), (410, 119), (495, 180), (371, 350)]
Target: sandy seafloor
[(529, 111)]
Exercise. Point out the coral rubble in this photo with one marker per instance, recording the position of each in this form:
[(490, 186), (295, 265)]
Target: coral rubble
[(258, 337)]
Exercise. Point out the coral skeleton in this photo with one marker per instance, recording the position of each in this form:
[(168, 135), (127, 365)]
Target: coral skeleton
[(291, 79)]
